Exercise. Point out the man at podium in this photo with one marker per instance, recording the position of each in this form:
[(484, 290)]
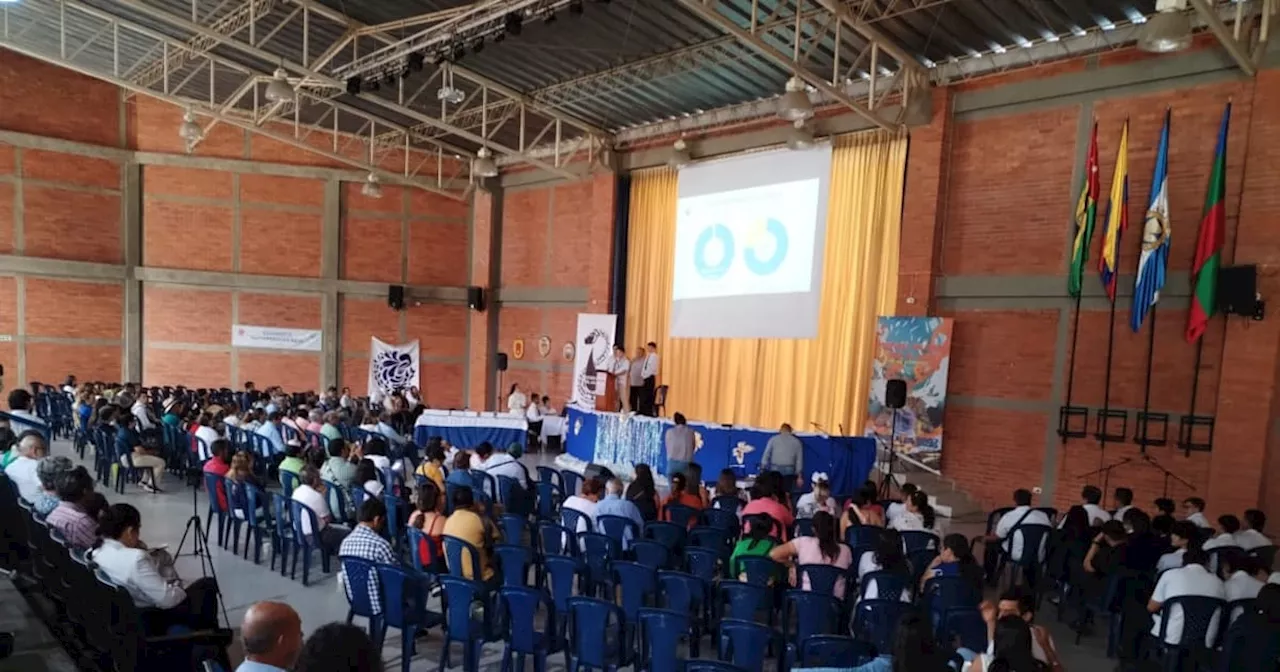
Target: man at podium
[(620, 367)]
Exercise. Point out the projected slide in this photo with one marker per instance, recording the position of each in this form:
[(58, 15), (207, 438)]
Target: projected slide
[(757, 240), (749, 245)]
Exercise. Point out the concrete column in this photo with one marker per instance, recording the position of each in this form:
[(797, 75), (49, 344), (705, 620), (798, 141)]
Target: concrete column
[(132, 238), (924, 210), (330, 261), (486, 272)]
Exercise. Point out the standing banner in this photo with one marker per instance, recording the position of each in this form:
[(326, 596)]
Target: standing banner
[(392, 367), (275, 338), (917, 350), (594, 345)]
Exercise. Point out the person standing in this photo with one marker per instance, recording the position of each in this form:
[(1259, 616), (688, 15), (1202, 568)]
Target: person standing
[(649, 372), (620, 367), (681, 442), (635, 382), (784, 453)]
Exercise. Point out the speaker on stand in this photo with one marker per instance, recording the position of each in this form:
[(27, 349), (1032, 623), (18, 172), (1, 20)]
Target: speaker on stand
[(895, 397), (500, 362)]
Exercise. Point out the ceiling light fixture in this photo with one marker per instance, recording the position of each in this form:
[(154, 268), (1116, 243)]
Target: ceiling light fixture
[(794, 104), (448, 93), (799, 136), (484, 165), (1168, 30), (279, 90), (372, 187), (190, 129), (680, 156)]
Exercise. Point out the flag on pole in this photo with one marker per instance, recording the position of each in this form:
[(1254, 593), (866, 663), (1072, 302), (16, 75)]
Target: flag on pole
[(1208, 259), (1117, 217), (1156, 234), (1086, 216)]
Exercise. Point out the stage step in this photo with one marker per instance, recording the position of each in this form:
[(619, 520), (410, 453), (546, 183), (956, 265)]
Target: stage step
[(945, 497)]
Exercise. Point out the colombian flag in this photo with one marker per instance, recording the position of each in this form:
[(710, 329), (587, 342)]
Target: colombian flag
[(1117, 217)]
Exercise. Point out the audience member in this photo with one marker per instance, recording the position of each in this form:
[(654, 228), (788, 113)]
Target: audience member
[(644, 494), (614, 505), (368, 478), (1245, 574), (1022, 604), (367, 543), (50, 471), (756, 542), (332, 430), (954, 559), (585, 503), (896, 508), (430, 519), (339, 647), (149, 576), (1192, 578), (432, 467), (375, 449), (1255, 634), (219, 465), (1193, 511), (823, 548), (314, 418), (727, 486), (500, 464), (339, 468), (1184, 534), (1124, 502), (205, 435), (292, 462), (1007, 534), (1162, 522), (22, 470), (918, 515), (680, 495), (129, 443), (861, 512), (1228, 525), (693, 479), (818, 499), (312, 493), (765, 499), (1090, 499), (887, 557), (272, 430), (22, 409), (74, 517), (467, 524), (1011, 648), (1251, 535), (1145, 546), (272, 635)]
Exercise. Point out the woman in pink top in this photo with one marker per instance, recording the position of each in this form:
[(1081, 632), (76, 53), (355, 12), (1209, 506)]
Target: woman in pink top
[(764, 500), (823, 548)]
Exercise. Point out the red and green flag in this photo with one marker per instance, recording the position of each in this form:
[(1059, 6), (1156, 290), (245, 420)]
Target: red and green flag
[(1086, 216), (1208, 259)]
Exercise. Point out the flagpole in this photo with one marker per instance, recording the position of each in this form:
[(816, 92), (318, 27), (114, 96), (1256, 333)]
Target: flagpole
[(1106, 390), (1146, 398), (1071, 366)]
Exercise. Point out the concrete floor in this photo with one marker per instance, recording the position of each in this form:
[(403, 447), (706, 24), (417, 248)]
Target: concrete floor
[(165, 516)]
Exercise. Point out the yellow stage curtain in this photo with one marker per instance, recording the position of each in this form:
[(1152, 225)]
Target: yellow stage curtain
[(765, 382)]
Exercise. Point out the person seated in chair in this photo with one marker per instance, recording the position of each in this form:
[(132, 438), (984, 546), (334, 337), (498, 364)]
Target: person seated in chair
[(1003, 538), (272, 636), (339, 647), (129, 442), (468, 523), (1245, 575), (1251, 535), (614, 505), (74, 517), (1228, 526), (292, 462), (500, 464), (149, 576), (1183, 535), (1192, 578), (1090, 499), (340, 468), (367, 543), (51, 470), (23, 470), (313, 493), (1193, 511)]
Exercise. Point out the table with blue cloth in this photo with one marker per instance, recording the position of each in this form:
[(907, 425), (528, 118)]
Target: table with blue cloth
[(467, 430), (616, 438)]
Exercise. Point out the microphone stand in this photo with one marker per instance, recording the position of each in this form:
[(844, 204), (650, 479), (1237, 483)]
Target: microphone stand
[(1167, 474), (1106, 472)]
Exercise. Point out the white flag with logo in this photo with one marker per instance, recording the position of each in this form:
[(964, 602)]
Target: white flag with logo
[(392, 367)]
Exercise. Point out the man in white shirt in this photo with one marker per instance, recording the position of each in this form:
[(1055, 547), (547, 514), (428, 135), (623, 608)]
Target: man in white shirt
[(620, 366), (586, 503), (635, 382), (207, 435), (533, 417), (1245, 575), (1124, 502), (311, 492), (1228, 525), (21, 405), (1251, 535), (1091, 497), (22, 470), (140, 411), (1193, 507), (649, 372), (499, 464), (1192, 579), (1180, 536), (1022, 514)]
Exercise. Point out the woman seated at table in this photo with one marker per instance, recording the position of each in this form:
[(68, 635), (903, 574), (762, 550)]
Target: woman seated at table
[(149, 576), (823, 548)]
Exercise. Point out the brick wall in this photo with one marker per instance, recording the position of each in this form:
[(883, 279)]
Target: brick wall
[(986, 235)]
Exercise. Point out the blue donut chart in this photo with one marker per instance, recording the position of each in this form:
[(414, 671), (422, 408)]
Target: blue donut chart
[(772, 264), (713, 232)]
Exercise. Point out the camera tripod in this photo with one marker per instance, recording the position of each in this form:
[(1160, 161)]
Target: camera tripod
[(200, 542)]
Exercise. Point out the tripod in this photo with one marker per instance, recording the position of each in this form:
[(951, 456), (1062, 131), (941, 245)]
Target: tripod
[(200, 541), (886, 478)]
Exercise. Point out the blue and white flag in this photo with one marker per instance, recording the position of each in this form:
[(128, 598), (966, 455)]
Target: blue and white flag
[(1156, 232), (392, 367)]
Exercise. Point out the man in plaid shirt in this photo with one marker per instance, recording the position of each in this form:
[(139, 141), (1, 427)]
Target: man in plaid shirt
[(366, 542)]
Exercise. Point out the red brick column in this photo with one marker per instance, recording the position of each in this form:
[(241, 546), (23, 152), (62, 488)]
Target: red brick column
[(480, 395), (924, 209)]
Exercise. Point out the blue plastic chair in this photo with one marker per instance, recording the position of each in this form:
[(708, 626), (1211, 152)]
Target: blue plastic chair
[(211, 483), (416, 539), (289, 481), (660, 632), (813, 614), (487, 483), (561, 575), (746, 643), (522, 606), (651, 554), (876, 620), (637, 588), (1029, 568), (889, 585), (745, 601), (550, 496), (550, 475), (711, 666), (803, 527), (570, 482), (459, 551), (514, 561), (862, 535), (686, 594), (517, 530), (679, 514), (283, 537), (336, 497), (251, 501), (720, 519), (458, 596), (673, 536), (918, 540), (596, 635), (575, 520), (552, 539), (703, 563), (599, 552), (620, 528), (712, 538), (1199, 616), (761, 571), (836, 651), (822, 578), (393, 530), (304, 544), (965, 626), (364, 595), (727, 503), (944, 593), (404, 607)]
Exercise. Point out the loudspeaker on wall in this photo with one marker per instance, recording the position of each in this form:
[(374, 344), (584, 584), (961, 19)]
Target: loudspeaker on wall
[(475, 298), (395, 297), (501, 361)]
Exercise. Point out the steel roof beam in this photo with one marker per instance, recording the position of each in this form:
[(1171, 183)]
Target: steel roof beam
[(709, 14), (1225, 38), (873, 34)]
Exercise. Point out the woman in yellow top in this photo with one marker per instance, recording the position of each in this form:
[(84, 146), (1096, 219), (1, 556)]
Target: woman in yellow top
[(432, 466)]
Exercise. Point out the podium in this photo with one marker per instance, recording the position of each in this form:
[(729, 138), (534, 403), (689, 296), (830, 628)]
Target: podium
[(606, 392)]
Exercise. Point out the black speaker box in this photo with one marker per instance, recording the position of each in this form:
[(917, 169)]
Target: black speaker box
[(1238, 290), (395, 297), (502, 361), (475, 298), (895, 393)]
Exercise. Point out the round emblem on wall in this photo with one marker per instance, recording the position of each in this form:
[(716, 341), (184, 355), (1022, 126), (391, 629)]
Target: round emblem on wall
[(568, 351), (544, 346), (517, 348)]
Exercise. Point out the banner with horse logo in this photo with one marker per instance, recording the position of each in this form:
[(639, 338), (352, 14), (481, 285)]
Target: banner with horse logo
[(393, 367), (917, 350), (594, 350)]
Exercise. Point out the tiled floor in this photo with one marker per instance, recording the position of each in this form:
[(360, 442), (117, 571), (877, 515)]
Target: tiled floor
[(165, 516)]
